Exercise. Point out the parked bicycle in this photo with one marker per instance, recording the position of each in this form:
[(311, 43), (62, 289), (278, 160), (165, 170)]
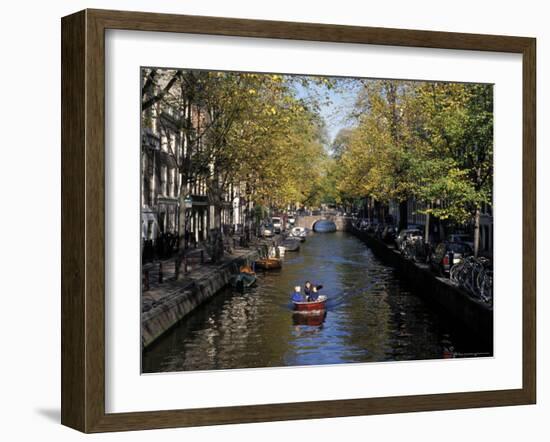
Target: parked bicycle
[(414, 248), (475, 275)]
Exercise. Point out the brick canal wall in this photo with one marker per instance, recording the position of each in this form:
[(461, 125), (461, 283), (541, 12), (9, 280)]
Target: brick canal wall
[(178, 298), (472, 315)]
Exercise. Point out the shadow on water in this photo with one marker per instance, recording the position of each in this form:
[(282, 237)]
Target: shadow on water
[(370, 316)]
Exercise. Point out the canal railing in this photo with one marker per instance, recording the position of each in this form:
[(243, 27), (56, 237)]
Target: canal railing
[(167, 302)]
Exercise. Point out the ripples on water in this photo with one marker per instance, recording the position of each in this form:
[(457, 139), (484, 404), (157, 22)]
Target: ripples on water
[(371, 316)]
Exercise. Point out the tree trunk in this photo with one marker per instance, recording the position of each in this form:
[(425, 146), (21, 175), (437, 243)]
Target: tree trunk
[(403, 215), (477, 218), (216, 241), (441, 230), (182, 215), (427, 229)]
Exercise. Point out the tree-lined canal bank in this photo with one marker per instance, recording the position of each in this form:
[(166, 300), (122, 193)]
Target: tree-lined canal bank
[(169, 301), (371, 316)]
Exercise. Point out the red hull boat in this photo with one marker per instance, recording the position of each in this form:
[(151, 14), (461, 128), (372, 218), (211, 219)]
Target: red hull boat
[(312, 319), (311, 306)]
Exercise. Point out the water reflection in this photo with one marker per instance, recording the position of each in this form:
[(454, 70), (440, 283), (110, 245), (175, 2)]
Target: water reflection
[(370, 316)]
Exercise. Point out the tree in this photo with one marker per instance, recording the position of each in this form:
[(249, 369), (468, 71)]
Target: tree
[(458, 125), (237, 128), (377, 161), (430, 141)]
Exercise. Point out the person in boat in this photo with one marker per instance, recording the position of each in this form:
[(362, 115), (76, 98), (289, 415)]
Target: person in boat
[(308, 288), (297, 295), (314, 295)]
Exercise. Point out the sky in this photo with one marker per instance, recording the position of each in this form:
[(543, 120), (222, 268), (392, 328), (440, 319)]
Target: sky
[(335, 104)]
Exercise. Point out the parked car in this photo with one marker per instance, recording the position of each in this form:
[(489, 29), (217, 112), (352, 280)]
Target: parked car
[(268, 231), (462, 237), (447, 254), (277, 224), (406, 234), (389, 234)]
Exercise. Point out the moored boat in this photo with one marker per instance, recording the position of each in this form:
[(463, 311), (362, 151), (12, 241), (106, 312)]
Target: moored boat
[(268, 263), (291, 245), (244, 280), (299, 233), (311, 306)]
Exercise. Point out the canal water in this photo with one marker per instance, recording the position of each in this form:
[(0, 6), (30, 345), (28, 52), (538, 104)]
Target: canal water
[(371, 316)]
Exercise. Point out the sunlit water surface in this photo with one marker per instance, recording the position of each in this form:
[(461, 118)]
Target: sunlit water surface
[(371, 316)]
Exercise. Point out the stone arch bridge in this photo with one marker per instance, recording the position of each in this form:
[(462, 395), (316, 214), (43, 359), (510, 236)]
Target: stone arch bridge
[(308, 221)]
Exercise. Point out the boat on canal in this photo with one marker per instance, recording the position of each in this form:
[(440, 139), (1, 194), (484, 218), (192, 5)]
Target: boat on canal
[(312, 319), (311, 306), (291, 245), (299, 233), (244, 280), (268, 263)]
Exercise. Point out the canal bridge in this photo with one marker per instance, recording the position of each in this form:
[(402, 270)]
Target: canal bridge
[(308, 221)]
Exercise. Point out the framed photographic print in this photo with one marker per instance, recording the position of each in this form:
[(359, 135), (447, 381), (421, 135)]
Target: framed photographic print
[(268, 221)]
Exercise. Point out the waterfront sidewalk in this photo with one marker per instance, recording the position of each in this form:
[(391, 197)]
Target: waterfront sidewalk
[(159, 292), (166, 303)]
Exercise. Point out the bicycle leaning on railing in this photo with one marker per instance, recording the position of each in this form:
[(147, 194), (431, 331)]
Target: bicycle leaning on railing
[(414, 249), (475, 275)]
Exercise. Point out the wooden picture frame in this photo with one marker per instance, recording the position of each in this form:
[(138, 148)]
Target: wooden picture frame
[(83, 220)]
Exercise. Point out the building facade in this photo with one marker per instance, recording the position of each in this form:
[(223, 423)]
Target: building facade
[(174, 205)]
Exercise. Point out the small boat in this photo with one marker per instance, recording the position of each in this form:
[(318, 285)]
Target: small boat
[(311, 306), (299, 233), (312, 319), (244, 280), (268, 263), (291, 245)]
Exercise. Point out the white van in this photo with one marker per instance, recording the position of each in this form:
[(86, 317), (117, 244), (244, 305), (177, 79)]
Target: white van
[(276, 221)]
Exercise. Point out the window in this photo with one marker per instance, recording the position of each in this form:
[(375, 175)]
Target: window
[(163, 180), (172, 144), (171, 182)]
